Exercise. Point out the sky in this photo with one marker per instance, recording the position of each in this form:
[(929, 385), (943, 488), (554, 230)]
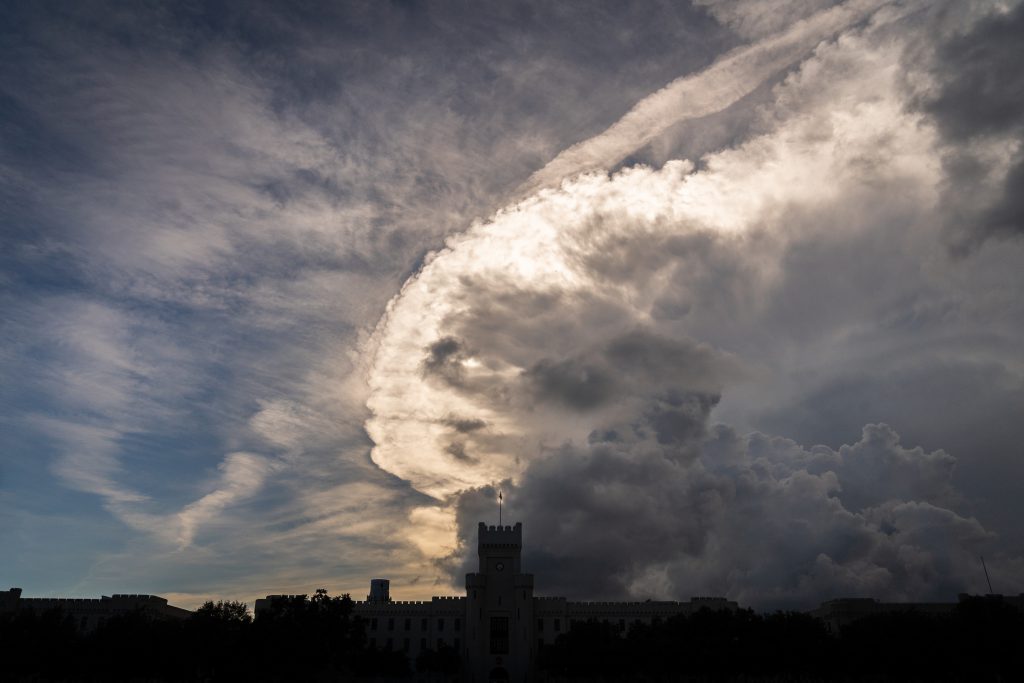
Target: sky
[(723, 296)]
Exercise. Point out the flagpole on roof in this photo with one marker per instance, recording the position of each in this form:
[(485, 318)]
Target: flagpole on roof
[(499, 508)]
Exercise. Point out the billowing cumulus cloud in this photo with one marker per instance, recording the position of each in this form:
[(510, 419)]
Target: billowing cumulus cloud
[(758, 518), (599, 331), (580, 299)]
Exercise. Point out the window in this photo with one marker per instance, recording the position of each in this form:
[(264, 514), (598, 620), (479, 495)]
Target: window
[(388, 645), (518, 615), (440, 624), (558, 625), (373, 643), (499, 635), (457, 644), (408, 624), (540, 625), (499, 600), (423, 625), (405, 645), (391, 623), (458, 624), (622, 625), (440, 643), (423, 643), (373, 624)]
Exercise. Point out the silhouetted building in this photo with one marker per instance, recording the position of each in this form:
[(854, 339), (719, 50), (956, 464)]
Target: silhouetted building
[(498, 627), (88, 613), (842, 611), (380, 591)]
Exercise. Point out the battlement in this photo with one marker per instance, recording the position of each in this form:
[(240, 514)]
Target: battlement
[(139, 597), (646, 603), (647, 608), (132, 598), (443, 600), (506, 536)]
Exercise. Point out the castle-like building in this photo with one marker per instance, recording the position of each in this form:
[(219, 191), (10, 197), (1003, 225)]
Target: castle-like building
[(498, 627), (87, 614)]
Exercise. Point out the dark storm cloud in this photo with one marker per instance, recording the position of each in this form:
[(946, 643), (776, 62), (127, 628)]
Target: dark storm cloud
[(578, 385), (981, 99), (639, 361), (680, 417), (651, 357), (1007, 214), (444, 360), (458, 451), (982, 85), (706, 271), (969, 409), (757, 518), (465, 425)]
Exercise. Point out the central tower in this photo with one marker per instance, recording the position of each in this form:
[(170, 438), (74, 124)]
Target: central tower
[(499, 608)]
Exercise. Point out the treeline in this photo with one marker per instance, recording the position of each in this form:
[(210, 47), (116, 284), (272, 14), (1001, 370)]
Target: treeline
[(981, 640), (318, 638), (298, 639)]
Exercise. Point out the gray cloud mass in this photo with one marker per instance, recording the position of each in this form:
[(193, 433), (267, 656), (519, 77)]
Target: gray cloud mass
[(980, 95), (756, 517)]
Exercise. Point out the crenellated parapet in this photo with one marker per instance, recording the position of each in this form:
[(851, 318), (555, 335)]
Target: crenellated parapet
[(500, 536), (88, 613), (603, 610), (437, 602)]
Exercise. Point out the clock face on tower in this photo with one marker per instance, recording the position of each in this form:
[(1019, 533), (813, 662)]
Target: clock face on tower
[(499, 566)]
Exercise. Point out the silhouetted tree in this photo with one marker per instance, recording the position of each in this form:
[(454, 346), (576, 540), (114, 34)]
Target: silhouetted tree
[(319, 638), (38, 645), (301, 636), (589, 650), (224, 611), (136, 646)]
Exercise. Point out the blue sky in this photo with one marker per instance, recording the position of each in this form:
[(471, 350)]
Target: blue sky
[(288, 291)]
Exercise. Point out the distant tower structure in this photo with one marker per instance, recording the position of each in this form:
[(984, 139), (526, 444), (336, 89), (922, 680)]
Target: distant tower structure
[(500, 628), (380, 591), (499, 609)]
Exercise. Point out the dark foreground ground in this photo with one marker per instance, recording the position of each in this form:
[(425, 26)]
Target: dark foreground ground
[(318, 639)]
